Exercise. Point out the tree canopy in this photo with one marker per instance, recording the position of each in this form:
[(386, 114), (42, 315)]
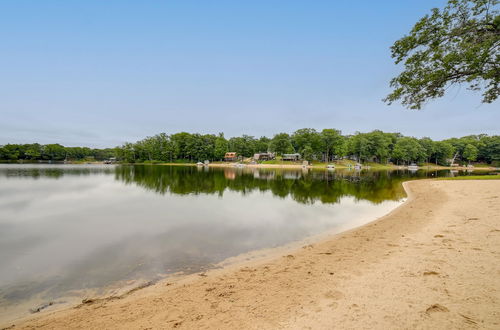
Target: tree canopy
[(459, 44), (325, 145)]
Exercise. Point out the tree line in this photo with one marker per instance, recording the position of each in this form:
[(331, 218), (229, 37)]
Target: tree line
[(326, 145), (52, 152)]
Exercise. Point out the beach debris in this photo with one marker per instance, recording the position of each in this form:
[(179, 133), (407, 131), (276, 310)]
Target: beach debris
[(44, 305), (430, 273), (141, 286), (88, 301)]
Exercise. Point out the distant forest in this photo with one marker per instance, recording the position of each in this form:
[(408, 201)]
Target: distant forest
[(52, 152), (326, 145)]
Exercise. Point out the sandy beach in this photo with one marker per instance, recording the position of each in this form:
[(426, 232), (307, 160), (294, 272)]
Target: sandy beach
[(433, 263)]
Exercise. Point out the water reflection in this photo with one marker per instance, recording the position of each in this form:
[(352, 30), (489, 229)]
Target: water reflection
[(55, 171), (302, 186), (64, 229)]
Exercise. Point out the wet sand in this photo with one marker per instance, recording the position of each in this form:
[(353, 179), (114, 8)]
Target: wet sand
[(432, 263)]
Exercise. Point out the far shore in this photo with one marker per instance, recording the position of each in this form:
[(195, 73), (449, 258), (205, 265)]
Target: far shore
[(285, 165), (337, 166), (282, 165), (432, 263)]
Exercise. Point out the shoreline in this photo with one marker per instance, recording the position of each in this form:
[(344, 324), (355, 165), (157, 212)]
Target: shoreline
[(322, 166), (315, 284)]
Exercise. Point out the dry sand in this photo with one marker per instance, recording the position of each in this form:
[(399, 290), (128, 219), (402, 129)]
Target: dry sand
[(433, 263)]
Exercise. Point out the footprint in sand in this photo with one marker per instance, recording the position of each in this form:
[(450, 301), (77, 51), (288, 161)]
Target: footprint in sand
[(436, 308), (334, 294), (468, 319), (333, 305)]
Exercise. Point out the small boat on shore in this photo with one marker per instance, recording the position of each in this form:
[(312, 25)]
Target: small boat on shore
[(413, 167)]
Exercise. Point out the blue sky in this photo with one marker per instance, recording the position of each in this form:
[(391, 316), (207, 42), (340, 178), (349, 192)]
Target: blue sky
[(99, 73)]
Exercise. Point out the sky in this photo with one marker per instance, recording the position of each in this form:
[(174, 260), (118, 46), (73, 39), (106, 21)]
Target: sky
[(101, 73)]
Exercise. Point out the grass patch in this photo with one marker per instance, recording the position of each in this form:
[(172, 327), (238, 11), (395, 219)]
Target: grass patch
[(473, 177), (481, 165), (377, 166)]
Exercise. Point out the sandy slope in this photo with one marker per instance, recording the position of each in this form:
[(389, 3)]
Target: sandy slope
[(433, 263)]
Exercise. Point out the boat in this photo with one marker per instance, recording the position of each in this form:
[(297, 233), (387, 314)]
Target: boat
[(413, 167), (330, 167)]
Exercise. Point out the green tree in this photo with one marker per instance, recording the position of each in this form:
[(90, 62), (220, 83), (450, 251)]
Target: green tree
[(408, 149), (470, 153), (221, 147), (359, 147), (379, 145), (334, 143), (308, 137), (126, 153), (455, 45), (429, 147), (33, 151), (181, 142), (444, 151), (489, 150), (244, 145), (262, 144), (10, 152), (53, 152), (281, 144), (307, 153)]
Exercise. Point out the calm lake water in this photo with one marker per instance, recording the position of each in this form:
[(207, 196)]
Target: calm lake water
[(70, 231)]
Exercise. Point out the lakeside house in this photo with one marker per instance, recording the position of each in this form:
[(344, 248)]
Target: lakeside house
[(264, 156), (231, 157), (291, 157)]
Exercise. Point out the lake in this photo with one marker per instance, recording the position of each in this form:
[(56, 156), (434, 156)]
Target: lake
[(74, 231)]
